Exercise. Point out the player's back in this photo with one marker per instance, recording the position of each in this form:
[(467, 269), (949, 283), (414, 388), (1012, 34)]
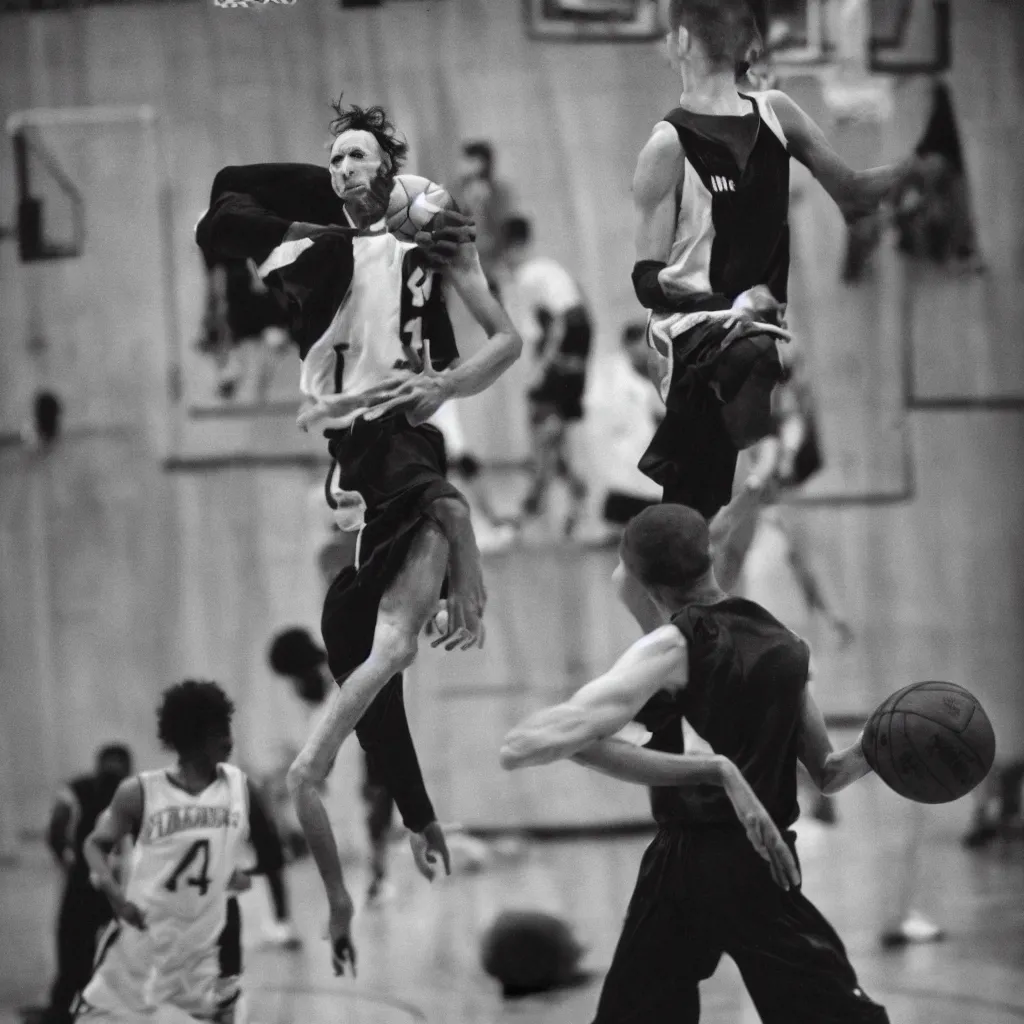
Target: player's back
[(732, 225), (185, 853), (744, 697)]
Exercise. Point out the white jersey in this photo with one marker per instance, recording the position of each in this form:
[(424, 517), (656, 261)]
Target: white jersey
[(392, 306), (186, 851)]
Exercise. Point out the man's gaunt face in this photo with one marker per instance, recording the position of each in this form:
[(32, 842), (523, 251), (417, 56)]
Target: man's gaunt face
[(356, 160)]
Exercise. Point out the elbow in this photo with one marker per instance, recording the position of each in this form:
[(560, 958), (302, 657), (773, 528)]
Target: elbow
[(513, 347)]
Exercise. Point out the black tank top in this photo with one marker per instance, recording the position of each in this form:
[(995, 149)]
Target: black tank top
[(744, 697), (732, 229)]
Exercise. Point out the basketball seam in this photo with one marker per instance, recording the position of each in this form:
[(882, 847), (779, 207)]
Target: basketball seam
[(935, 721), (920, 757)]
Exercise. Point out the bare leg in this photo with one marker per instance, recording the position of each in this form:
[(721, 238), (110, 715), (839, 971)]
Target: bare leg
[(544, 443), (404, 610)]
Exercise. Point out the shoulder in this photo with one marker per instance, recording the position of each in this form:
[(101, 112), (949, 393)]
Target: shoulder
[(667, 641), (663, 145), (660, 163), (774, 103)]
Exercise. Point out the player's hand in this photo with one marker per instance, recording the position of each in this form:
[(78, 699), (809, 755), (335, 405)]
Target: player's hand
[(762, 832), (444, 235), (427, 846), (343, 952), (335, 406), (419, 395), (759, 305), (240, 881)]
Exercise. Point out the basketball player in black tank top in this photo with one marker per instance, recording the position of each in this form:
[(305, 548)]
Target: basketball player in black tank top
[(711, 194), (704, 888)]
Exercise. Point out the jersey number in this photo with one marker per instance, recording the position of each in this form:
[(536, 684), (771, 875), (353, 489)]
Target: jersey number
[(420, 284), (201, 847)]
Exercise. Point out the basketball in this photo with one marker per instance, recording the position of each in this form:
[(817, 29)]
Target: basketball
[(930, 742), (530, 951), (414, 203)]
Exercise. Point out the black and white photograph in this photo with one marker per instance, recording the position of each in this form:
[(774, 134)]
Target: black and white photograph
[(511, 512)]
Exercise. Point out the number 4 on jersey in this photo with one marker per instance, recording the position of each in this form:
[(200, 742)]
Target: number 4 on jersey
[(201, 881)]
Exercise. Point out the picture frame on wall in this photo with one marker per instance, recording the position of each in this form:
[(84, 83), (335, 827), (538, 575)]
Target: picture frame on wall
[(593, 20)]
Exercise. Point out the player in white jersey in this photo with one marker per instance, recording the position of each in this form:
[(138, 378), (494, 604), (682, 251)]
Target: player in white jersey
[(558, 322), (190, 825)]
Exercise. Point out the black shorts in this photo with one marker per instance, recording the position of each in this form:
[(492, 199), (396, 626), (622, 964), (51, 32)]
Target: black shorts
[(703, 891), (400, 472), (560, 393)]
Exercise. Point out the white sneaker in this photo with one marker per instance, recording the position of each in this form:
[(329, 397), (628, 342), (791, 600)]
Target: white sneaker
[(281, 934)]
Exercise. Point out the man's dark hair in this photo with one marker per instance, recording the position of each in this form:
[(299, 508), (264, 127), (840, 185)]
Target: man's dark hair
[(293, 652), (478, 149), (516, 231), (114, 752), (374, 120), (190, 713), (727, 29), (633, 331), (668, 546)]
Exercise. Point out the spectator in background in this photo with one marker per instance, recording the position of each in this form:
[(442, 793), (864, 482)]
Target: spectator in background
[(628, 409), (560, 327), (83, 909), (241, 315), (488, 200)]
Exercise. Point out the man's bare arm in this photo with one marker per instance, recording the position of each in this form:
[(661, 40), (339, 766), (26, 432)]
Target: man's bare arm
[(601, 708), (503, 346), (121, 819), (622, 760), (659, 170), (856, 193), (830, 770)]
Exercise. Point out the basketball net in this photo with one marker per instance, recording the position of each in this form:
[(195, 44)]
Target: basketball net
[(848, 87)]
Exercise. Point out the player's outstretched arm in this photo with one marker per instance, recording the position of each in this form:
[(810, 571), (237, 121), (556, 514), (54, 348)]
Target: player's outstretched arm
[(601, 708), (630, 763), (122, 818), (503, 346), (856, 193), (831, 770)]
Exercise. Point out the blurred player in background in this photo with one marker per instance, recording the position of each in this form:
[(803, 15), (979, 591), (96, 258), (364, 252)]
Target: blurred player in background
[(241, 315), (493, 532), (190, 824), (379, 358), (83, 910), (625, 409), (560, 322), (711, 194), (488, 200)]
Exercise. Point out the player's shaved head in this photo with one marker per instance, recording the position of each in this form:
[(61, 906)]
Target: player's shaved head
[(667, 546), (726, 29)]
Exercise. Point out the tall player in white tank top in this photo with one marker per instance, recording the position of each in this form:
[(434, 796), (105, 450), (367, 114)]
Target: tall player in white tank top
[(190, 823)]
